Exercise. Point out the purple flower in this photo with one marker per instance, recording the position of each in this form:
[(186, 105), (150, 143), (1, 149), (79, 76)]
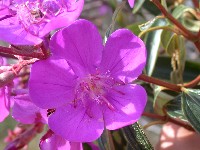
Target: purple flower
[(26, 22), (4, 103), (87, 83), (5, 91), (26, 112), (131, 3), (50, 141)]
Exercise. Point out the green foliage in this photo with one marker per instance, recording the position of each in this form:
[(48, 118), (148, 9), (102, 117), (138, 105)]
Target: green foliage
[(152, 41), (136, 137), (191, 107), (160, 99), (138, 5), (173, 109), (188, 17)]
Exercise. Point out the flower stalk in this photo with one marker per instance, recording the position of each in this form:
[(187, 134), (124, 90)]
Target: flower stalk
[(170, 86)]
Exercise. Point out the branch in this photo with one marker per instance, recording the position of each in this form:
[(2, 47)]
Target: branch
[(195, 3), (17, 67), (12, 51), (170, 86), (166, 118), (156, 81), (192, 83)]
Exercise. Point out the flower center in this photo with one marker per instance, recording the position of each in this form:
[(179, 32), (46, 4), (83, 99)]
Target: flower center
[(94, 89)]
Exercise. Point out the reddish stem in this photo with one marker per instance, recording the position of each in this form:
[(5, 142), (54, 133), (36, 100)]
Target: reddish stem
[(17, 67), (196, 3), (192, 83), (44, 51), (170, 86), (156, 81), (12, 51), (166, 118)]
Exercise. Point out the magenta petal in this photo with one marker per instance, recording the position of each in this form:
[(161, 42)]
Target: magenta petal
[(131, 3), (74, 9), (26, 112), (11, 31), (129, 102), (76, 146), (4, 110), (124, 55), (80, 44), (51, 141), (51, 83), (74, 123)]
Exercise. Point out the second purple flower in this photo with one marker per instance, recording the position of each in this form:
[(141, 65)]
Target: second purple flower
[(25, 22)]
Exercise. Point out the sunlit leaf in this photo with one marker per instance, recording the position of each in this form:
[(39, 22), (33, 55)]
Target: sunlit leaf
[(152, 44), (179, 10), (166, 38), (160, 99), (164, 3)]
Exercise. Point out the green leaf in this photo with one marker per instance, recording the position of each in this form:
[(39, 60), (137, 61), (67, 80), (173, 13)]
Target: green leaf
[(187, 19), (151, 8), (134, 28), (152, 44), (179, 10), (176, 49), (190, 24), (166, 38), (104, 141), (160, 99), (152, 23), (191, 107), (173, 109), (136, 137), (164, 3), (138, 5), (173, 45)]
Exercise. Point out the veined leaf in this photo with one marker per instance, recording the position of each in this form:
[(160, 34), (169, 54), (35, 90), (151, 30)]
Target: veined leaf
[(173, 109), (136, 137), (191, 107)]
